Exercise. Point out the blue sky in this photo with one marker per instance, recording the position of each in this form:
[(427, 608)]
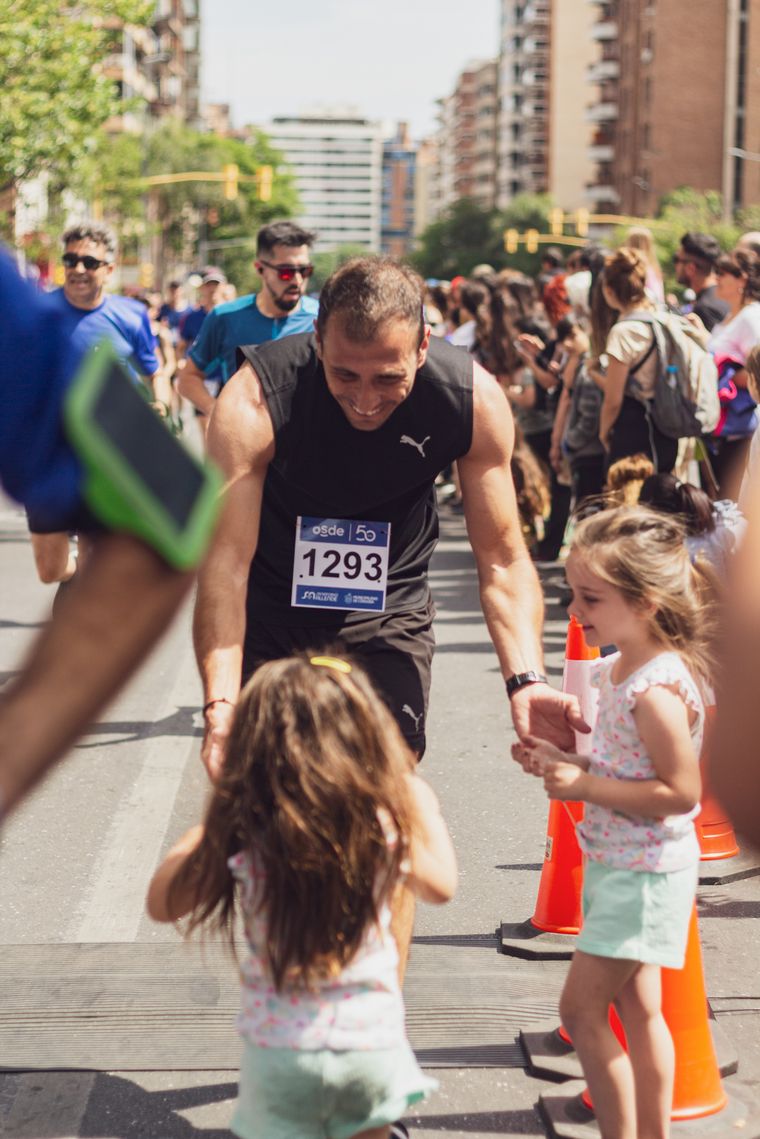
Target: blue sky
[(389, 59)]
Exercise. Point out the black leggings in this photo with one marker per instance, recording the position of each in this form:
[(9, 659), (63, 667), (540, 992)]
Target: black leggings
[(634, 433), (554, 530)]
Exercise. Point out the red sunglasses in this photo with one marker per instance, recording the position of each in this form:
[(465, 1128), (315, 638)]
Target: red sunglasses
[(288, 272)]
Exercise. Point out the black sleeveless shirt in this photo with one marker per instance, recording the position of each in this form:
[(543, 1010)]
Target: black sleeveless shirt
[(324, 467)]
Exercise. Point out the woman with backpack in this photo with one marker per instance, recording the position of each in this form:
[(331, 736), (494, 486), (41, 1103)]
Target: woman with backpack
[(633, 366)]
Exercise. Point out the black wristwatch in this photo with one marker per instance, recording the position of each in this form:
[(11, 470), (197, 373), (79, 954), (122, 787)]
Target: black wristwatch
[(520, 679)]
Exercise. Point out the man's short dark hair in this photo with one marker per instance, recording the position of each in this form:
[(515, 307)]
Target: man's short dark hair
[(367, 292), (703, 249), (282, 233), (92, 231)]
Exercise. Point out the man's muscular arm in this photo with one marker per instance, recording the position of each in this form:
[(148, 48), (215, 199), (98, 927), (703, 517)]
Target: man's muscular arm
[(510, 593), (241, 443)]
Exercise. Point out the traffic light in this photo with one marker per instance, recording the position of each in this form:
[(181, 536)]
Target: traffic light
[(230, 173), (531, 240), (147, 275), (511, 240), (581, 222), (556, 221), (265, 174)]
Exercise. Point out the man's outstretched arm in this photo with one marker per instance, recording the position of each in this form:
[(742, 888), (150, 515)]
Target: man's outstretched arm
[(510, 592), (241, 443)]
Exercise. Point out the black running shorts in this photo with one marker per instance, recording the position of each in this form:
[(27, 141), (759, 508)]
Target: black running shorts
[(395, 649)]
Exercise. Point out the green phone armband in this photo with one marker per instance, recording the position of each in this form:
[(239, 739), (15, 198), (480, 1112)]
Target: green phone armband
[(138, 477)]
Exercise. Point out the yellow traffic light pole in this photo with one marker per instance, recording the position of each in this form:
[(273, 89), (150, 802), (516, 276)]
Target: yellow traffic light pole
[(581, 219), (230, 177)]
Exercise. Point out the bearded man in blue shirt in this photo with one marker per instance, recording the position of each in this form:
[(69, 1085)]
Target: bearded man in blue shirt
[(278, 309)]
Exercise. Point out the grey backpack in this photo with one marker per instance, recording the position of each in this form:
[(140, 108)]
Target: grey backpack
[(685, 402)]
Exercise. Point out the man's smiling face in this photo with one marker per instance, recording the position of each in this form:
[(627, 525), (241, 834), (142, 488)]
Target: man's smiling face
[(371, 379)]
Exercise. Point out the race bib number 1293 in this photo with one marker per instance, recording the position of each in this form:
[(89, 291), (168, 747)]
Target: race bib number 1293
[(340, 563)]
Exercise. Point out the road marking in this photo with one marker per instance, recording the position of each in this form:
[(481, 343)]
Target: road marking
[(114, 904)]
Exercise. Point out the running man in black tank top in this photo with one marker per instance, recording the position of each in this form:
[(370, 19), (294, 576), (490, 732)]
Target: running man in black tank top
[(330, 446), (351, 426)]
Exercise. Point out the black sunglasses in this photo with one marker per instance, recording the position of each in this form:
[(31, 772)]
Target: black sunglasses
[(288, 272), (71, 260)]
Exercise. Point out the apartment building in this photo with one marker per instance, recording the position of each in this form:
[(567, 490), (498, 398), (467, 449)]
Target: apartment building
[(159, 64), (398, 194), (474, 127), (336, 158), (677, 103), (544, 135), (524, 98), (460, 159)]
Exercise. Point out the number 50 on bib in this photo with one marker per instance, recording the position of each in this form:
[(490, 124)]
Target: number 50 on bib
[(340, 563)]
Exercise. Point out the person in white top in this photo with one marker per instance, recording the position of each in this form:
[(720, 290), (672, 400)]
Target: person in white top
[(315, 818), (632, 584), (730, 342)]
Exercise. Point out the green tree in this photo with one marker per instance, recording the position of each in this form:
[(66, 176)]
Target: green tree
[(462, 238), (194, 214), (467, 235), (682, 210), (55, 94), (329, 260)]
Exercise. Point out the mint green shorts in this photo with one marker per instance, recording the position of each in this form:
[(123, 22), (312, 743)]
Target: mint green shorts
[(637, 915), (291, 1094)]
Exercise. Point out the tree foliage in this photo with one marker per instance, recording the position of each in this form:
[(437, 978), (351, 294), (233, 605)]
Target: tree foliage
[(329, 260), (467, 235), (194, 219), (55, 94)]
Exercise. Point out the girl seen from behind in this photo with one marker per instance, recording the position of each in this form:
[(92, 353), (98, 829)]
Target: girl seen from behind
[(626, 427), (633, 585), (316, 817)]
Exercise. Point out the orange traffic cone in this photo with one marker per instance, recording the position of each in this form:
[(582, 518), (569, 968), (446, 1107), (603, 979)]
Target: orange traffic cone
[(697, 1090), (558, 906), (714, 831)]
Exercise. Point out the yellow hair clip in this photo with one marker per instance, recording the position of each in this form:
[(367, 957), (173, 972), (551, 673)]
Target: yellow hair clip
[(331, 662)]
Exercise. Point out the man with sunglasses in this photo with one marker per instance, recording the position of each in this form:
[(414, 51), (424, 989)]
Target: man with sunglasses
[(90, 315), (278, 309)]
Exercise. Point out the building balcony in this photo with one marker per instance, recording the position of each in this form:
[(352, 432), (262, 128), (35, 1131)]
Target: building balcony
[(603, 69), (606, 30), (602, 113), (602, 193), (537, 14), (602, 152)]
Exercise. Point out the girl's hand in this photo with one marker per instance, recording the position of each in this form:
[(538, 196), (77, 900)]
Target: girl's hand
[(534, 755), (564, 781)]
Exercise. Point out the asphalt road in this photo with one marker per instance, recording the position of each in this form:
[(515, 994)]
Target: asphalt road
[(75, 861)]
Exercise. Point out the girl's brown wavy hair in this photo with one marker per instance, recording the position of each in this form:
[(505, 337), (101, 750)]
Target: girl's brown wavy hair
[(313, 756)]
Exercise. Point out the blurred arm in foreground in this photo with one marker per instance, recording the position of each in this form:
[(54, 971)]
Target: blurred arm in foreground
[(134, 581), (734, 769)]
